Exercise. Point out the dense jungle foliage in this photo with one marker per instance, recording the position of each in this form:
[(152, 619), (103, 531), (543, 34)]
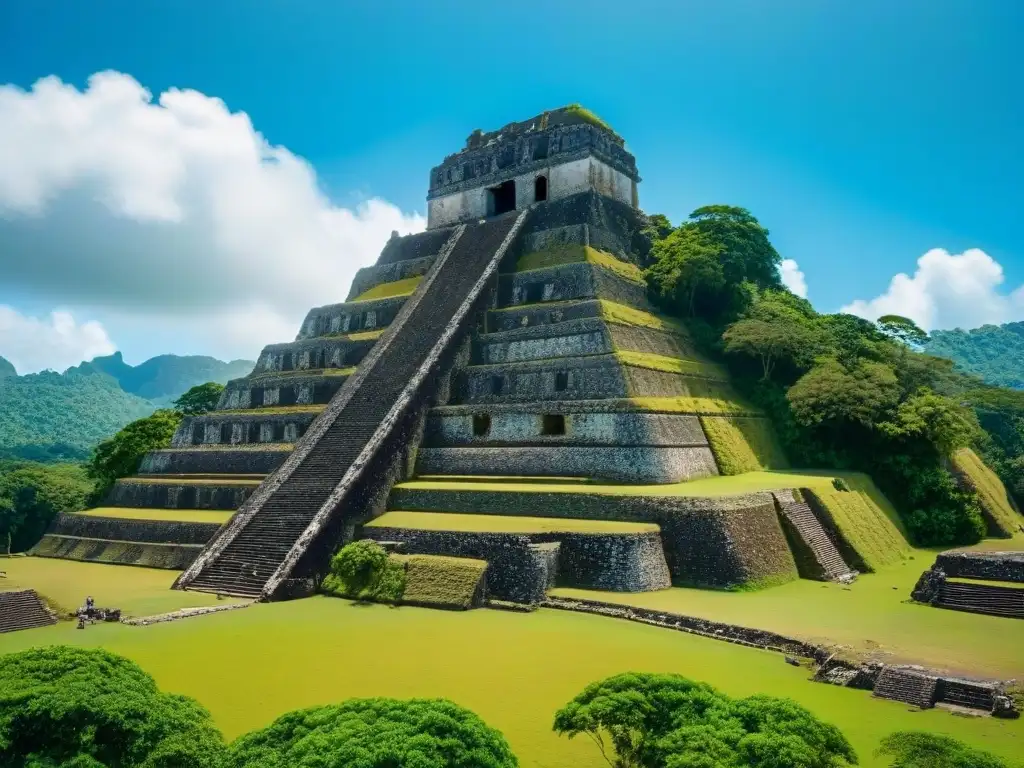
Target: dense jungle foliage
[(843, 392), (994, 353)]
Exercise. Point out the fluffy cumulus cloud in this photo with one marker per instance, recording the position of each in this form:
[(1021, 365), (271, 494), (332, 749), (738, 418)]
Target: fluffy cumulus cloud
[(57, 342), (947, 290), (171, 212), (793, 278)]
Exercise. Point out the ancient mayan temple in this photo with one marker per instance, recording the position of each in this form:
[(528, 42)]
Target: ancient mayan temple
[(502, 366)]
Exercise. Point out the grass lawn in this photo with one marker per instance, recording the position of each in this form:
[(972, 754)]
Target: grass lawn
[(873, 617), (448, 521), (513, 669), (136, 591), (172, 515)]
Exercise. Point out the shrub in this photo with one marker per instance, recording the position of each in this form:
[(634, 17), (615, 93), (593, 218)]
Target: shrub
[(375, 733), (915, 749), (363, 571), (668, 721), (63, 706)]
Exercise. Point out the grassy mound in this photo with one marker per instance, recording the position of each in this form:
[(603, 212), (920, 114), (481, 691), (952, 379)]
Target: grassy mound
[(672, 365), (175, 557), (452, 521), (442, 582), (1002, 518), (743, 444), (576, 254), (389, 290), (865, 519)]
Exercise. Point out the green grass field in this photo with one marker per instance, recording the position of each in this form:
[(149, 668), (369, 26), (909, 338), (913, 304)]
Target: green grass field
[(248, 667), (171, 515), (449, 521)]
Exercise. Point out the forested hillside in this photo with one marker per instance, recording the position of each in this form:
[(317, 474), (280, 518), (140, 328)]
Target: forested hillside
[(993, 352), (164, 377), (52, 416)]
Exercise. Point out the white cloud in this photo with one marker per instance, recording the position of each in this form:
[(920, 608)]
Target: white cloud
[(33, 344), (793, 278), (172, 213), (947, 291)]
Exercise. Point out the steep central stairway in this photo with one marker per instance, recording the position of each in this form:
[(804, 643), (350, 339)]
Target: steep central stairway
[(23, 610), (813, 534), (256, 552)]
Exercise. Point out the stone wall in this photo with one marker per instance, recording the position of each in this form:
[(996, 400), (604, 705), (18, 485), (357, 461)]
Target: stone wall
[(124, 529), (184, 495), (589, 219), (515, 572), (389, 272), (565, 282), (622, 464), (273, 390), (532, 315), (351, 317), (220, 461), (312, 354), (174, 557), (994, 566), (218, 428), (411, 247)]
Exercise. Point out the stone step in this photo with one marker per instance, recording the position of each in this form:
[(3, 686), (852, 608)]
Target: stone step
[(23, 609), (982, 598), (813, 534), (908, 686)]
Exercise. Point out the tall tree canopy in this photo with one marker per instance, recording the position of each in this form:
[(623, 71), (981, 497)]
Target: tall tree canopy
[(201, 398), (915, 749), (375, 733), (668, 721), (87, 708)]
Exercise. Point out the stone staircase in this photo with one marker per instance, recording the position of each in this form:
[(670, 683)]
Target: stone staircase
[(967, 694), (257, 551), (907, 686), (982, 598), (23, 610), (810, 530)]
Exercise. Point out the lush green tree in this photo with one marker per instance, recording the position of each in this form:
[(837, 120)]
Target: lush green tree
[(777, 327), (941, 421), (993, 352), (902, 329), (916, 749), (120, 455), (88, 708), (363, 571), (834, 396), (375, 733), (32, 494), (685, 262), (658, 227), (202, 398), (644, 720), (747, 253)]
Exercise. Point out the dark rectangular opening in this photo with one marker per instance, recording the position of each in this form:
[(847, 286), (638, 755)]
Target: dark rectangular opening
[(502, 198), (279, 433), (552, 424), (497, 385), (322, 393), (288, 362), (561, 381), (256, 397), (198, 434), (481, 424), (225, 433), (534, 292), (254, 432), (541, 147), (286, 396), (540, 189)]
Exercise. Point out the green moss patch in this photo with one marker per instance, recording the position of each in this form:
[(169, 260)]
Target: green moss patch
[(694, 405), (310, 372), (743, 444), (995, 502), (577, 254), (274, 410), (390, 290), (163, 515), (450, 521), (672, 365), (442, 582)]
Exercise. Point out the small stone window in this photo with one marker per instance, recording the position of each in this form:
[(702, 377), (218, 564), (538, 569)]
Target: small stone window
[(256, 397), (552, 424), (286, 396), (497, 385), (540, 189), (254, 432), (279, 433), (198, 434), (502, 198), (481, 424), (225, 433), (534, 292), (561, 381), (288, 362)]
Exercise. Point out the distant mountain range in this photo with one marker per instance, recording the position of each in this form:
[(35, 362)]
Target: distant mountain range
[(993, 352), (51, 415)]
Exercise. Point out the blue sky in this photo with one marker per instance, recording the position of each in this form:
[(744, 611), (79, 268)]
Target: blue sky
[(861, 134)]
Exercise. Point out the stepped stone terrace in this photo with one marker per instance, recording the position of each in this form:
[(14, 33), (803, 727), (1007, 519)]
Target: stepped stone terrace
[(496, 387)]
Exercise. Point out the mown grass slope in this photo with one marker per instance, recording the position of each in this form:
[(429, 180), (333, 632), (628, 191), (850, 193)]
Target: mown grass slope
[(743, 444), (444, 582), (992, 495)]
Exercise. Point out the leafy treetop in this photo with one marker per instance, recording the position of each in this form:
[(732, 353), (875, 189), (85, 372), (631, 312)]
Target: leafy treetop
[(915, 749), (200, 399)]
